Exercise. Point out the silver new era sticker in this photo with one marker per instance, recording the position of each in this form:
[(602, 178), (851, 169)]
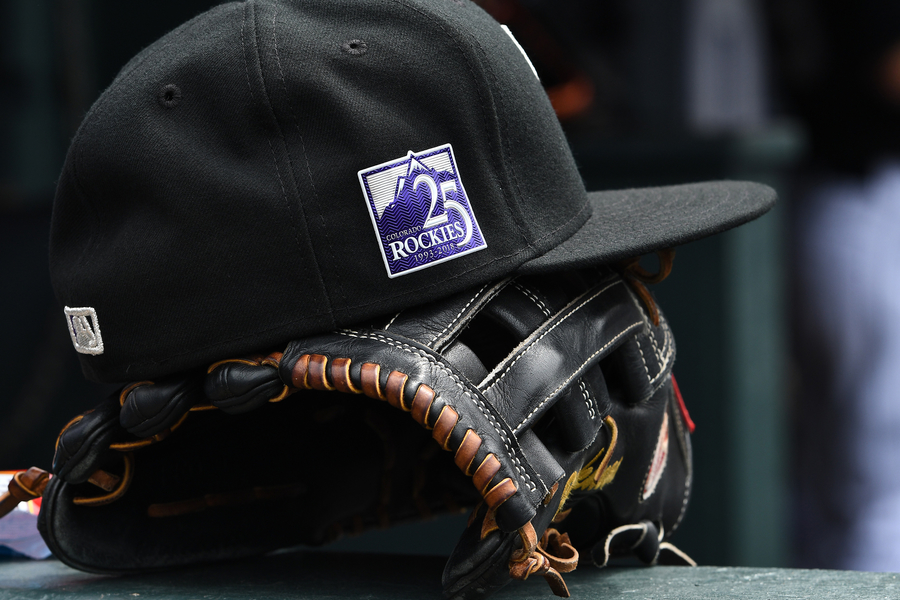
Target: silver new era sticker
[(85, 330)]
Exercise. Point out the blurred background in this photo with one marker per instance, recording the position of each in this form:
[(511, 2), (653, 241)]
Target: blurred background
[(783, 326)]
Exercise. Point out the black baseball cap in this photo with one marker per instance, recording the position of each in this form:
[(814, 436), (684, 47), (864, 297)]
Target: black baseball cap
[(274, 169)]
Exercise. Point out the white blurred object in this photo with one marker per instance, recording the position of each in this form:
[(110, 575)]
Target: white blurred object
[(726, 86), (848, 247)]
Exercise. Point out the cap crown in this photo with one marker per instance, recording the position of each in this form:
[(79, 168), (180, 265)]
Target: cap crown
[(210, 204)]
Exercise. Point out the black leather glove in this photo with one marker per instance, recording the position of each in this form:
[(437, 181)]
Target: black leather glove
[(552, 397)]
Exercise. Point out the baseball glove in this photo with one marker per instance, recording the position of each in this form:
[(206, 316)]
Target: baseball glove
[(552, 399)]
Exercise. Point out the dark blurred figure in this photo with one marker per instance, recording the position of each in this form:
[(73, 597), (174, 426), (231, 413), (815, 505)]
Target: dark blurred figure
[(839, 67)]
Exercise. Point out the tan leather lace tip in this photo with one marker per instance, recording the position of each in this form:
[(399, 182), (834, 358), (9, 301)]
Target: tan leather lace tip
[(633, 268), (474, 514), (24, 486), (644, 294), (561, 516), (105, 481), (549, 497), (489, 525), (637, 276), (116, 493), (550, 557), (529, 544), (272, 360)]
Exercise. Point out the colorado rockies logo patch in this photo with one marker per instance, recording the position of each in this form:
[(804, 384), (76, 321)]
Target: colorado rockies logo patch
[(420, 210)]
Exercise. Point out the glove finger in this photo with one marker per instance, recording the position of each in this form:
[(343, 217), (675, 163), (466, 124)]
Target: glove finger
[(85, 441), (241, 385), (580, 411), (485, 559), (152, 408), (544, 376), (477, 567), (642, 363)]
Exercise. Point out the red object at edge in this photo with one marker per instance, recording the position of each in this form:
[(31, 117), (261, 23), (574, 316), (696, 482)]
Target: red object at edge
[(681, 405)]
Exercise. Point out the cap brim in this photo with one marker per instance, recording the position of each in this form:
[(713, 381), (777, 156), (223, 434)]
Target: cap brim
[(632, 222)]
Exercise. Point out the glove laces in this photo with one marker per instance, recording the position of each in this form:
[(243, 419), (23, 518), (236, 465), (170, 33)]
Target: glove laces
[(637, 276), (550, 557)]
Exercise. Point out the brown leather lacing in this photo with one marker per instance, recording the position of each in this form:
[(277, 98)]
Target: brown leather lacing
[(105, 481), (554, 554), (24, 486), (637, 276)]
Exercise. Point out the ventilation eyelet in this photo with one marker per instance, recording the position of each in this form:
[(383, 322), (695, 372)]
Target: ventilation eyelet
[(355, 47), (170, 95)]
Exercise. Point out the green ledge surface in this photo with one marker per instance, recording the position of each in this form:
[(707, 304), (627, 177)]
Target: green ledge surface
[(369, 576)]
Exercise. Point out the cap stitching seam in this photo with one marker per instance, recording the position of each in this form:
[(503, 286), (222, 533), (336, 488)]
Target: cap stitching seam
[(271, 146), (481, 102), (564, 225), (269, 141), (504, 141), (308, 169), (292, 219), (290, 172)]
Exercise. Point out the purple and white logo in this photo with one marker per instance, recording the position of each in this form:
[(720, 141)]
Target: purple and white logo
[(420, 210)]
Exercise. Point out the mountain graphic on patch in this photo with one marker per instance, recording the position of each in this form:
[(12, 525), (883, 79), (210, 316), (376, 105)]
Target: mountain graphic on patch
[(420, 210)]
